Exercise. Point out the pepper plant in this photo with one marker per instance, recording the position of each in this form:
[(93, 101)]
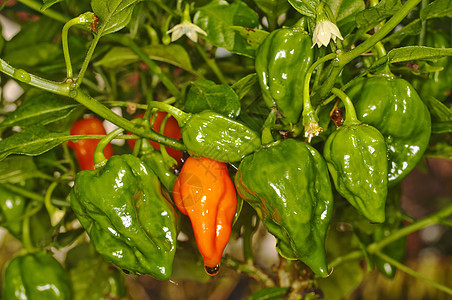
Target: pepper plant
[(296, 120)]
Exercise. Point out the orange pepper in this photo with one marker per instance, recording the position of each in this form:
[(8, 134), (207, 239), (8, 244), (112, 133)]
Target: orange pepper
[(205, 192)]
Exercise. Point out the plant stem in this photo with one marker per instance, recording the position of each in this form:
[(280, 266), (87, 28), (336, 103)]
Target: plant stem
[(350, 118), (211, 63), (251, 270), (345, 58), (48, 12), (421, 41), (435, 218), (180, 116), (413, 273), (99, 158), (350, 256), (88, 56)]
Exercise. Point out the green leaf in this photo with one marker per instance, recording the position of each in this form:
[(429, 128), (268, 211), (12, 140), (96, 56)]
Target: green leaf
[(254, 37), (413, 28), (30, 56), (216, 18), (437, 9), (16, 169), (438, 110), (272, 8), (345, 12), (173, 54), (305, 7), (244, 85), (31, 141), (373, 15), (48, 3), (271, 293), (206, 95), (114, 15), (411, 53), (42, 109)]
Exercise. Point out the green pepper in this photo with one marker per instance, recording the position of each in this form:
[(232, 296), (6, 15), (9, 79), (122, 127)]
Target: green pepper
[(35, 276), (12, 206), (209, 134), (393, 106), (288, 185), (282, 62), (128, 218), (356, 157), (156, 162)]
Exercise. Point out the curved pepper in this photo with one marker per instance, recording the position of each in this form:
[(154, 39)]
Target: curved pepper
[(204, 191), (282, 62), (35, 276), (209, 134), (84, 149), (394, 107), (356, 157), (130, 222), (288, 185)]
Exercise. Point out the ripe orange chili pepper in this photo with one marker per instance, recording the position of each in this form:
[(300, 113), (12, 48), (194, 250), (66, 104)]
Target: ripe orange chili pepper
[(171, 130), (205, 192), (84, 149)]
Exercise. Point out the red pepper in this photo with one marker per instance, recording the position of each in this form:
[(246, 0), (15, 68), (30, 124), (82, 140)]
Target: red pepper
[(171, 130), (205, 192), (84, 149)]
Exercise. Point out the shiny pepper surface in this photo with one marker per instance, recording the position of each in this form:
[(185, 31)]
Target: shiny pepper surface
[(35, 276), (12, 207), (205, 192), (212, 135), (393, 106), (84, 149), (288, 185), (356, 158), (282, 62), (130, 222)]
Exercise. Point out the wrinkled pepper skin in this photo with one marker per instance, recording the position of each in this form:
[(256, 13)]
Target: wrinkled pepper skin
[(209, 134), (205, 192), (130, 222), (12, 207), (84, 149), (393, 106), (288, 185), (356, 158), (35, 276), (282, 62)]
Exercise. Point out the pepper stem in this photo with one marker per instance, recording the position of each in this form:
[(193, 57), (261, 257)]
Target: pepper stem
[(310, 119), (350, 117), (180, 116), (99, 158)]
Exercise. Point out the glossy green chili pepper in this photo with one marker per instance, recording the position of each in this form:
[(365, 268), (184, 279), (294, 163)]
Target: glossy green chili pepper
[(394, 221), (288, 185), (281, 64), (12, 207), (121, 206), (35, 276), (356, 157), (156, 162), (393, 106), (209, 134)]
